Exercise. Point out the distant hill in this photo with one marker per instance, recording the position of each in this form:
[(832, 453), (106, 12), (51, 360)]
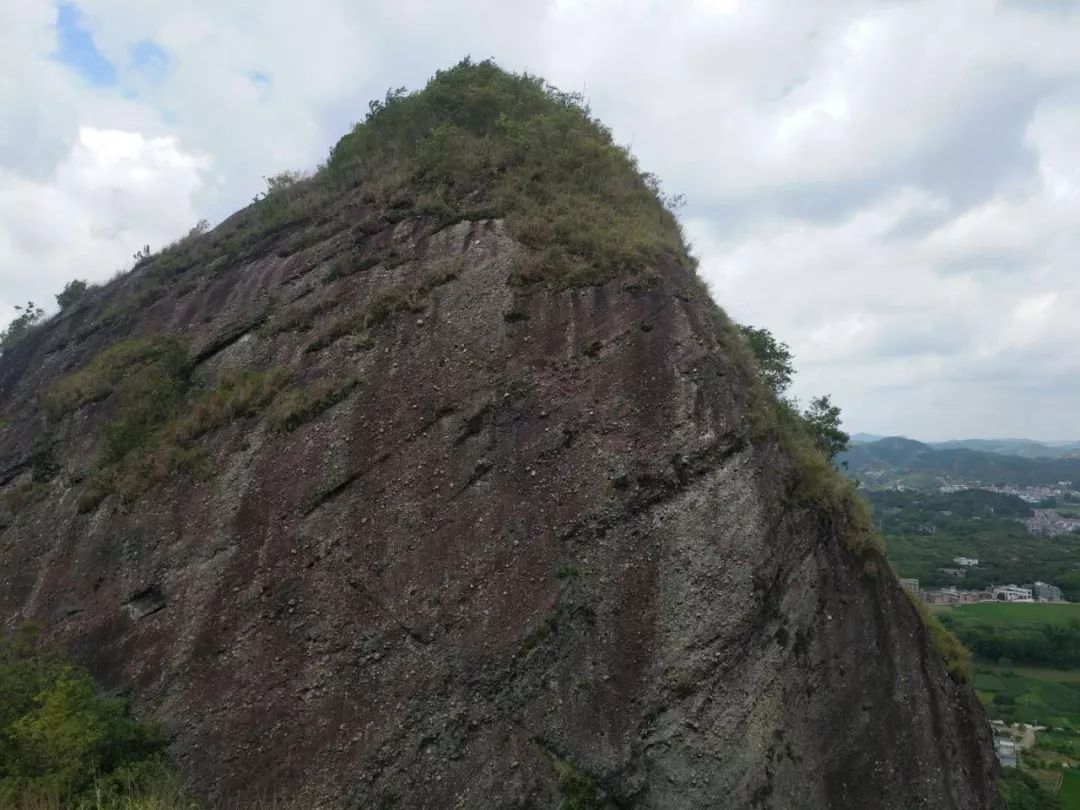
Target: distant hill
[(864, 438), (1025, 448), (895, 459)]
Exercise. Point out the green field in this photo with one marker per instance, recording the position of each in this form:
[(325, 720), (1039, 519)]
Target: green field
[(1070, 790), (1038, 673), (1029, 695), (1018, 613)]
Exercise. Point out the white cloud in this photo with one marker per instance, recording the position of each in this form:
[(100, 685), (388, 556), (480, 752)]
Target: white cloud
[(114, 192)]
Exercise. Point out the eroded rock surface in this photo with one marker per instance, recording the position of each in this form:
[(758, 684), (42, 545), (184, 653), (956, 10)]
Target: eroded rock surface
[(536, 550)]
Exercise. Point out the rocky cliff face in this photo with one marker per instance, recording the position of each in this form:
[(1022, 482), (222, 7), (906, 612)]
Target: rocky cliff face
[(413, 524)]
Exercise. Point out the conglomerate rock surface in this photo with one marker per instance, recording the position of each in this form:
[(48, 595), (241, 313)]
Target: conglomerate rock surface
[(535, 554)]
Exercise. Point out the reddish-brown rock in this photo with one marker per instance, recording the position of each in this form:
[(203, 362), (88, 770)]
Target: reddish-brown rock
[(537, 549)]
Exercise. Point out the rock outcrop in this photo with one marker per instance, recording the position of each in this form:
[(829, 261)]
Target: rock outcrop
[(429, 523)]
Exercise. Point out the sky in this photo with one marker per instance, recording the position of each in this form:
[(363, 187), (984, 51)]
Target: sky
[(892, 188)]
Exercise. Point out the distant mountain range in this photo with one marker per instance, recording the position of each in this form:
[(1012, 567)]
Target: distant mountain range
[(885, 462), (1025, 448)]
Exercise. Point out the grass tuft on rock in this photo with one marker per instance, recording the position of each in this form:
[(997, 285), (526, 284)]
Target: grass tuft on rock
[(158, 356), (299, 405), (156, 415)]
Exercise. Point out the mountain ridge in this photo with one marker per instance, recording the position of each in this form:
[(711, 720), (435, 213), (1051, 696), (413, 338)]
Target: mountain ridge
[(888, 460)]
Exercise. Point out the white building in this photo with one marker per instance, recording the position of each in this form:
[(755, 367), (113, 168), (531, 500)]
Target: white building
[(1012, 593), (1045, 592), (966, 562), (1006, 752)]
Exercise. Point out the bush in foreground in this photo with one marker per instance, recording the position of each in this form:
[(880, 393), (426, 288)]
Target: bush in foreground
[(65, 744)]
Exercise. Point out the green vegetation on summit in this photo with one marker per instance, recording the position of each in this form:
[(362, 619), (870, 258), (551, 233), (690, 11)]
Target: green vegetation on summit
[(479, 142)]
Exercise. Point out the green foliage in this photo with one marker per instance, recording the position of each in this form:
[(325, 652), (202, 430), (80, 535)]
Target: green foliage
[(1034, 695), (1062, 742), (1003, 632), (348, 265), (239, 395), (23, 494), (299, 405), (277, 184), (577, 789), (149, 395), (823, 422), (29, 316), (478, 141), (956, 655), (298, 316), (406, 296), (925, 531), (157, 417), (155, 356), (160, 448), (71, 293), (774, 359), (1069, 796), (142, 256), (1021, 791), (569, 572), (65, 744), (775, 367), (818, 483)]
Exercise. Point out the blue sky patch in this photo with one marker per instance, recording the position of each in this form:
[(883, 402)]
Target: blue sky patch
[(75, 48), (149, 57)]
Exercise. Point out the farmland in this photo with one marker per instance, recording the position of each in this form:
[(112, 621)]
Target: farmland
[(1030, 634), (1016, 613)]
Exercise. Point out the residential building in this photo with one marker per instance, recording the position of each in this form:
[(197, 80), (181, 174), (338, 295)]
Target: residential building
[(1012, 593), (1005, 748), (966, 562), (1045, 592), (911, 584)]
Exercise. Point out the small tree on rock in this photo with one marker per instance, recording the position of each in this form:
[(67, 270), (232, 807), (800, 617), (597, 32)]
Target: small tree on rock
[(823, 421), (773, 358), (28, 317), (776, 367), (71, 293)]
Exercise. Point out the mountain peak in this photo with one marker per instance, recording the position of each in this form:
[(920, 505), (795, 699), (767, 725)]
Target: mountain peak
[(437, 479)]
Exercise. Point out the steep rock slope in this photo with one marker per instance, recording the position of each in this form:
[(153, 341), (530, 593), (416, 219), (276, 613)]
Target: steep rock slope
[(378, 500)]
